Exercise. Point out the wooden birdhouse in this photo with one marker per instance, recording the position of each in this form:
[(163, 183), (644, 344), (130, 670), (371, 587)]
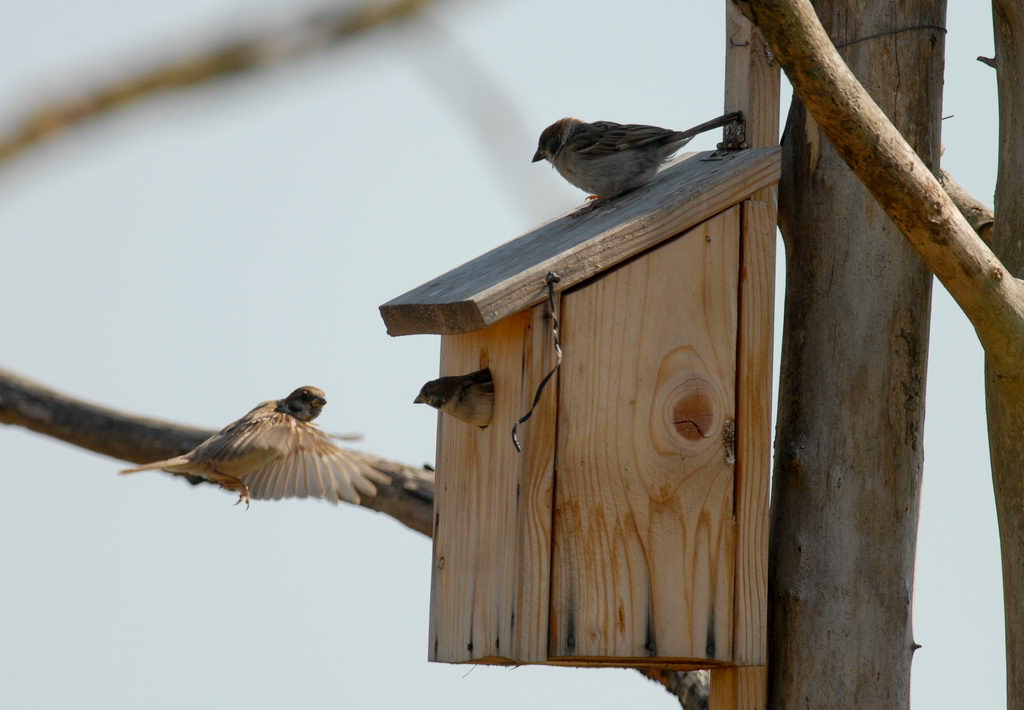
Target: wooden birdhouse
[(631, 530)]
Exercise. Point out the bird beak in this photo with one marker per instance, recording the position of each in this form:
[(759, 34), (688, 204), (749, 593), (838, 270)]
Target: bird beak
[(419, 399), (539, 155)]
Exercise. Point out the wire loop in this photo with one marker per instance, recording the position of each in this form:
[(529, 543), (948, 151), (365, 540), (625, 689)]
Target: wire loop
[(550, 280)]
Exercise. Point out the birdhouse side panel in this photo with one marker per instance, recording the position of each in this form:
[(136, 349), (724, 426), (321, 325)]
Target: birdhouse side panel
[(643, 557), (753, 429), (492, 525)]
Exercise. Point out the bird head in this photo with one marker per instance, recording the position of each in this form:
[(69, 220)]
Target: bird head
[(304, 403), (553, 138), (437, 392)]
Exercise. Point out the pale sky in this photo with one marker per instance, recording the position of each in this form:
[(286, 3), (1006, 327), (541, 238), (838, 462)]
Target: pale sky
[(204, 251)]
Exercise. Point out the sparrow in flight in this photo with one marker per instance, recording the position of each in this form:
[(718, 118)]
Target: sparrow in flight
[(276, 451)]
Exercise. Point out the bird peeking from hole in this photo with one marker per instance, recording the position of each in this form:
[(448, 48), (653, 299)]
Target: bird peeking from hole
[(607, 159), (276, 451), (468, 398)]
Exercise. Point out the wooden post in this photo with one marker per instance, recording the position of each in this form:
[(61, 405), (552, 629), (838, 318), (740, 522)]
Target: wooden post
[(751, 80), (752, 86)]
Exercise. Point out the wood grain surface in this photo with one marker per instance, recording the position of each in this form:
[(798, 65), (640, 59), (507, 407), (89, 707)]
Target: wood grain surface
[(643, 559), (492, 531)]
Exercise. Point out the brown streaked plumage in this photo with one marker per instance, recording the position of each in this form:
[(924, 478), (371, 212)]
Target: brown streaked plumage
[(276, 451), (607, 159), (468, 398)]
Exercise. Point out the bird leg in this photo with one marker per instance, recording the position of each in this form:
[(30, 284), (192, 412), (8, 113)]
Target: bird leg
[(230, 483)]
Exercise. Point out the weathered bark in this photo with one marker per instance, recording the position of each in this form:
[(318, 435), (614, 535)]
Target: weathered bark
[(851, 403), (409, 497), (1005, 391), (975, 212)]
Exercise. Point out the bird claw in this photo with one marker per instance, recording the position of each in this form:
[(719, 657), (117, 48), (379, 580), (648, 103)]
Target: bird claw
[(243, 495), (592, 202)]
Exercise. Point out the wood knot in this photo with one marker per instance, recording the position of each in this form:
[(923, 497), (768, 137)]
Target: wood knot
[(693, 415), (688, 407)]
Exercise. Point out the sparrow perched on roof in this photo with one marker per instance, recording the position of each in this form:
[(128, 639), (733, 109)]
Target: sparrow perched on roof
[(469, 398), (276, 451), (605, 158)]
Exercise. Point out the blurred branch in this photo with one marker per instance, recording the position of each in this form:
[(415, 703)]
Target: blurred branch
[(977, 214), (314, 32), (409, 497), (478, 98)]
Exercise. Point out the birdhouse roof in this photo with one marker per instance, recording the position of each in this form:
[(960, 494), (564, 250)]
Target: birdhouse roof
[(511, 277)]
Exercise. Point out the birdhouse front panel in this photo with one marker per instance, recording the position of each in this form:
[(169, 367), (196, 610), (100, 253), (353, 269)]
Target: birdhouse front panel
[(644, 539), (611, 539), (492, 512)]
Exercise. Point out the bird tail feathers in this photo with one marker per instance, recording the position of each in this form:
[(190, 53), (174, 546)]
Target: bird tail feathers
[(168, 463)]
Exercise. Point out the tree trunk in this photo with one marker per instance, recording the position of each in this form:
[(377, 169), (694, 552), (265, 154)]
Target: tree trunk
[(1005, 392), (851, 401)]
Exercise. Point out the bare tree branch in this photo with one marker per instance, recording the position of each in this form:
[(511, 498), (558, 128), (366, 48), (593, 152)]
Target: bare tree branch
[(409, 498), (978, 215), (897, 178), (288, 41)]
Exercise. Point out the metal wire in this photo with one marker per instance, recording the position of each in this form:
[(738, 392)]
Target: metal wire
[(940, 28), (550, 280)]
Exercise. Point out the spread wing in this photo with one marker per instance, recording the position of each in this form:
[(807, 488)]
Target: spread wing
[(237, 446), (307, 464), (242, 444), (595, 140)]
